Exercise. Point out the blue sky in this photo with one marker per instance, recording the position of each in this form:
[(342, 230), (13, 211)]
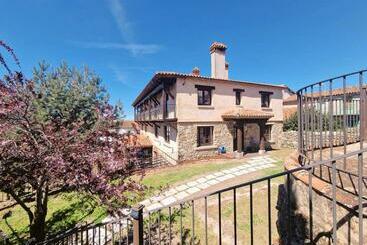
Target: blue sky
[(291, 42)]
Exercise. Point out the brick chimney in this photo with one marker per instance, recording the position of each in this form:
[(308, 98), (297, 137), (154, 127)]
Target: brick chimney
[(195, 71), (226, 70), (219, 67)]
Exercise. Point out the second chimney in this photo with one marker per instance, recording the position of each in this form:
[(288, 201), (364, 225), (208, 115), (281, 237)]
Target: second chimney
[(195, 71), (219, 67)]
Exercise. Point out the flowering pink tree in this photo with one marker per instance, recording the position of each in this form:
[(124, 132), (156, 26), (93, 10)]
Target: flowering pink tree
[(46, 154)]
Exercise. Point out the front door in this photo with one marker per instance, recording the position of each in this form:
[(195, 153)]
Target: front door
[(238, 137)]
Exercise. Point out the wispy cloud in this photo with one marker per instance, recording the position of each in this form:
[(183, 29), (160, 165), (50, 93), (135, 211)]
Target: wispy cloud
[(125, 28), (122, 74), (134, 48), (119, 75), (119, 14)]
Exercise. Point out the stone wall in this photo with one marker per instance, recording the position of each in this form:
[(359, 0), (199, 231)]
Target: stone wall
[(276, 134), (187, 140), (347, 215), (288, 139)]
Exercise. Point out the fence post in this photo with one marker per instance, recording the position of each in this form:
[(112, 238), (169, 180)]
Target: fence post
[(138, 226), (363, 114)]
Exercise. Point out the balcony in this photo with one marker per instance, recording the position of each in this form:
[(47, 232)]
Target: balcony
[(157, 114)]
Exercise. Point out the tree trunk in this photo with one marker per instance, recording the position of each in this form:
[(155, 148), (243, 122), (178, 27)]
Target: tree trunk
[(37, 229)]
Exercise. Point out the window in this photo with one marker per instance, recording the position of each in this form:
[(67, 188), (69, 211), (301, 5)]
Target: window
[(156, 133), (204, 94), (167, 132), (267, 132), (238, 98), (238, 95), (166, 103), (205, 136), (265, 98)]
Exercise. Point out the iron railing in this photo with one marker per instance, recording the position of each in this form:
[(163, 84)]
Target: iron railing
[(332, 124), (112, 232), (181, 224), (332, 115)]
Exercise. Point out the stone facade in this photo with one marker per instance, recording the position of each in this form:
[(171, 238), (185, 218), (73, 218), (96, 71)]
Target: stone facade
[(276, 134), (288, 139), (187, 140), (222, 136)]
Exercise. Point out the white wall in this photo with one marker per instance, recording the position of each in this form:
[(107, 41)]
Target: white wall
[(170, 148), (223, 100)]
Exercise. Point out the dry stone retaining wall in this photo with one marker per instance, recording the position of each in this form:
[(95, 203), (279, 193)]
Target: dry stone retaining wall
[(288, 139), (347, 219)]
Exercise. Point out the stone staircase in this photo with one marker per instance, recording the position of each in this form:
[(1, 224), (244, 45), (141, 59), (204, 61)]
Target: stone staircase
[(159, 159)]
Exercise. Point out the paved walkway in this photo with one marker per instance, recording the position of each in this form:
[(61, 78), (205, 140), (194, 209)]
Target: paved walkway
[(181, 192)]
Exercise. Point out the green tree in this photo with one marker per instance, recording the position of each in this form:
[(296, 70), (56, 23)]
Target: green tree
[(291, 123), (55, 135), (69, 95)]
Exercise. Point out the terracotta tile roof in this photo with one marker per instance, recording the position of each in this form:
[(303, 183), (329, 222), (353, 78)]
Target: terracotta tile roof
[(155, 81), (177, 74), (247, 114), (335, 92), (288, 112), (143, 141), (218, 45), (127, 124), (292, 98)]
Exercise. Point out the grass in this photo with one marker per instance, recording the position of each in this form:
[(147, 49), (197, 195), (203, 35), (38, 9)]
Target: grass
[(162, 178), (260, 211), (64, 212), (168, 176), (67, 210)]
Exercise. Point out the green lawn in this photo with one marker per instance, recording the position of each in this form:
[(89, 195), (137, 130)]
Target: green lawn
[(64, 211), (67, 210), (260, 217), (168, 176)]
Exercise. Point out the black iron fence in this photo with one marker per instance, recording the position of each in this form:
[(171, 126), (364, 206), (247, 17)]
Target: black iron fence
[(332, 113), (220, 217), (332, 119), (332, 128), (112, 232)]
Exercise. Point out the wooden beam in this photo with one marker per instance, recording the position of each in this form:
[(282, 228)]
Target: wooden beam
[(153, 92), (204, 87), (238, 90), (169, 93), (265, 92)]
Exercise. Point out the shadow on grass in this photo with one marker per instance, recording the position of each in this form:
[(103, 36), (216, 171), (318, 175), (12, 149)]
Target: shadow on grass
[(68, 217), (76, 209)]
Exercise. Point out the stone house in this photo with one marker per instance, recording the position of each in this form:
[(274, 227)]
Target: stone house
[(189, 116), (321, 104)]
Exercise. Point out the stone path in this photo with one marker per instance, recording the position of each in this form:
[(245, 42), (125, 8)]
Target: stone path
[(183, 191)]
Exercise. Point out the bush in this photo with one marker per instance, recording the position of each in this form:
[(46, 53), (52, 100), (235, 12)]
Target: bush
[(291, 123)]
